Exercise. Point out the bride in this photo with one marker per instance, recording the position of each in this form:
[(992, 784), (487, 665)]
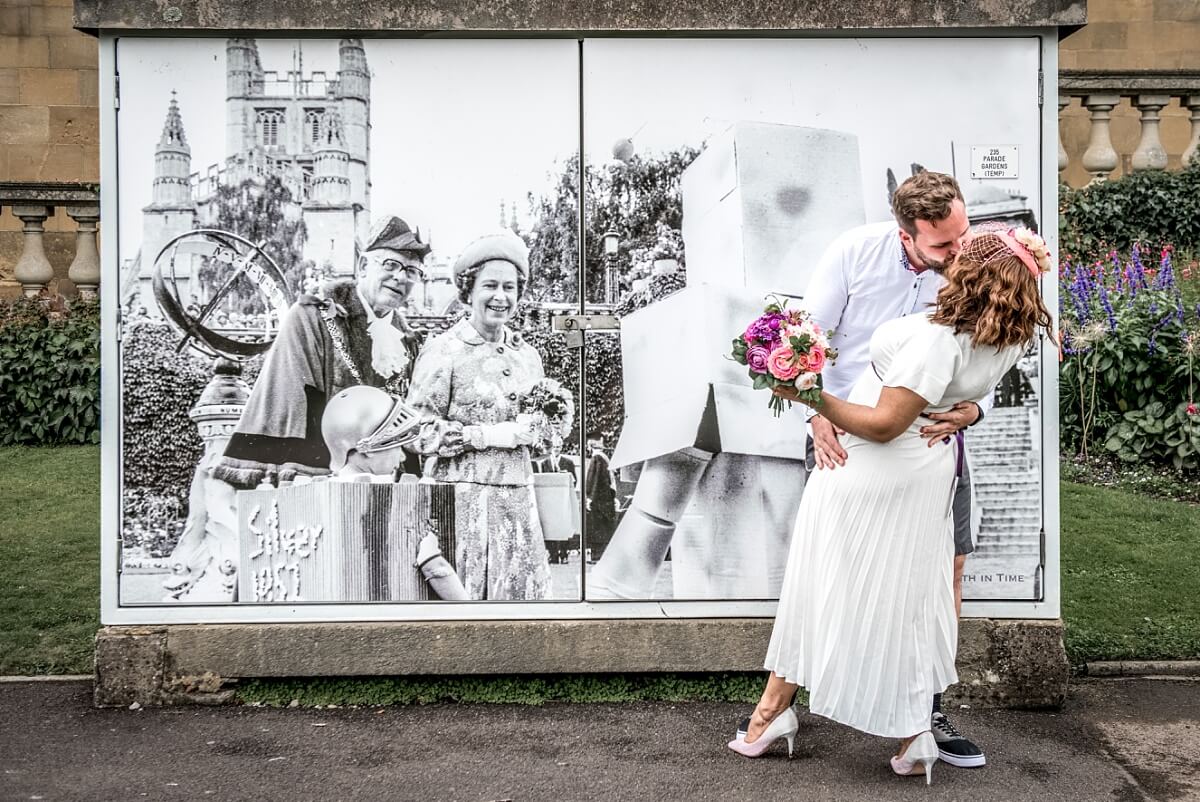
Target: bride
[(866, 616)]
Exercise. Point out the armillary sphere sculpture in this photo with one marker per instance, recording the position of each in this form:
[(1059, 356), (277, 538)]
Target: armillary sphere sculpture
[(235, 257)]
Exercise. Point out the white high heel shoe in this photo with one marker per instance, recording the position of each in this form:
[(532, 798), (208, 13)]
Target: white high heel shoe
[(785, 725), (922, 751)]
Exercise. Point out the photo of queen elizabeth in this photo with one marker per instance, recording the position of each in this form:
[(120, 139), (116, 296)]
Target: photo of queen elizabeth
[(467, 385)]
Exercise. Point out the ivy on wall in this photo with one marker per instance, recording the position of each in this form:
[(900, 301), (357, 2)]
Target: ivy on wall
[(49, 371)]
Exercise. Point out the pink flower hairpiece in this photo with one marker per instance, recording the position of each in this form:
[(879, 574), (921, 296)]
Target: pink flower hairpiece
[(1027, 246)]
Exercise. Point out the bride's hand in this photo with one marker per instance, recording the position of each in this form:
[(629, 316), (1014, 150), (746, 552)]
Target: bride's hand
[(788, 393)]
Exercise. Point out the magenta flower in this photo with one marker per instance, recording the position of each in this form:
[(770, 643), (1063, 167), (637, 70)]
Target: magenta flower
[(756, 358)]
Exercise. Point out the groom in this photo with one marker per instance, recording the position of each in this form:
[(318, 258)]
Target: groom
[(868, 276)]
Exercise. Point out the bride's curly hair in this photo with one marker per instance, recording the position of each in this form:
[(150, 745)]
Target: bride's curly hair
[(991, 295)]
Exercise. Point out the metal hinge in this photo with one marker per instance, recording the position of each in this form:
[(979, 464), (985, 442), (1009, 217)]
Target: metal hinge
[(1041, 88), (117, 92), (576, 325)]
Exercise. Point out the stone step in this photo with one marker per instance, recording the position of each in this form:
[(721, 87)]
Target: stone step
[(1005, 551), (991, 535)]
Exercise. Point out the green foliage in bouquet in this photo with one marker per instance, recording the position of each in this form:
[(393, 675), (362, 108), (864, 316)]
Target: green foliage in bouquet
[(49, 371), (1152, 207)]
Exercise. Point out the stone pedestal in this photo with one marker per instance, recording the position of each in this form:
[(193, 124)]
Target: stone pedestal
[(1002, 664), (204, 562)]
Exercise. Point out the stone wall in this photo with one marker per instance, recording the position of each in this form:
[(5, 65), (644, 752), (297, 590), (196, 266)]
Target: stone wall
[(1131, 36), (49, 128)]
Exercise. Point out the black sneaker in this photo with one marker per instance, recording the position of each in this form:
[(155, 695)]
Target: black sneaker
[(952, 746)]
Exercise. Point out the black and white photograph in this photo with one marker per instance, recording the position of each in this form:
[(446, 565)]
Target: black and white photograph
[(721, 173), (367, 354), (337, 369)]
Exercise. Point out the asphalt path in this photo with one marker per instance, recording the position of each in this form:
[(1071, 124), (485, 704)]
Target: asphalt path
[(1114, 740)]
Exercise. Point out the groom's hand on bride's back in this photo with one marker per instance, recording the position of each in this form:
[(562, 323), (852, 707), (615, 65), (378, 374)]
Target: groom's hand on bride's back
[(827, 451), (945, 424)]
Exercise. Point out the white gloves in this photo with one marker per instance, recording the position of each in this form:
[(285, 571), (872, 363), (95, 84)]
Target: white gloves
[(509, 434)]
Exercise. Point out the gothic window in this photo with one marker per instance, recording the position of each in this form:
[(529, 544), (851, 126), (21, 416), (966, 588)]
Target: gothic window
[(270, 127), (312, 125)]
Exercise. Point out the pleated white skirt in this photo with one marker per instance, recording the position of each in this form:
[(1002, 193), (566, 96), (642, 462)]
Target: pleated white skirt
[(866, 617)]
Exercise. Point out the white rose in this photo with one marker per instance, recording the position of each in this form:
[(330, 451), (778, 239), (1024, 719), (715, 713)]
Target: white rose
[(806, 381)]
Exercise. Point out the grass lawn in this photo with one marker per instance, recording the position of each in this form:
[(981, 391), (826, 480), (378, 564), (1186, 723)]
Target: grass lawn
[(1131, 575), (50, 550), (1131, 568)]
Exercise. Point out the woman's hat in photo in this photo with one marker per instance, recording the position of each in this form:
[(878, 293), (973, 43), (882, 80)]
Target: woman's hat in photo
[(506, 247), (393, 233)]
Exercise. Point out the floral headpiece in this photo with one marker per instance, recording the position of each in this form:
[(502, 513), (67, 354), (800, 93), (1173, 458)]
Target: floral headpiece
[(1024, 244)]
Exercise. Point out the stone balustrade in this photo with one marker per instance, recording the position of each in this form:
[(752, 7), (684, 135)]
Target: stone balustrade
[(1099, 93), (33, 204)]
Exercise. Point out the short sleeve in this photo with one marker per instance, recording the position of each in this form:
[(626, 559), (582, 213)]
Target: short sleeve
[(925, 364)]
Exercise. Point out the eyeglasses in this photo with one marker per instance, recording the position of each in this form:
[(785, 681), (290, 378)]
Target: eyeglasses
[(411, 272)]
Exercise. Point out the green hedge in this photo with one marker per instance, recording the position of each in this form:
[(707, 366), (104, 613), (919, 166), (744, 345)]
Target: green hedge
[(1155, 207), (49, 372)]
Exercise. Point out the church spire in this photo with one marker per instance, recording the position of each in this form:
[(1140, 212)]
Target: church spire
[(173, 136), (172, 162)]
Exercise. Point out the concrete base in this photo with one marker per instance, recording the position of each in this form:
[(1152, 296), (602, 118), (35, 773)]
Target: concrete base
[(1010, 663)]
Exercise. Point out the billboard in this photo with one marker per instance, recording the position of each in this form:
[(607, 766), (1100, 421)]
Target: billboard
[(322, 404)]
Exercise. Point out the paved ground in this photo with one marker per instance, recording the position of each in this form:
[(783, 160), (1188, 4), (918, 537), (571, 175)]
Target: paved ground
[(1115, 740)]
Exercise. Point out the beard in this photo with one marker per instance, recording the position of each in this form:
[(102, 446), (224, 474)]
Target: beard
[(928, 262)]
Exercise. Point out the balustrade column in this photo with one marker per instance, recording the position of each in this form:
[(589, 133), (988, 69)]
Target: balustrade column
[(85, 268), (1100, 158), (1193, 104), (33, 269), (1150, 154), (1063, 158)]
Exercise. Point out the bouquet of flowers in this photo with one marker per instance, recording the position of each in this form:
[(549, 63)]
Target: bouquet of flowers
[(551, 409), (785, 348)]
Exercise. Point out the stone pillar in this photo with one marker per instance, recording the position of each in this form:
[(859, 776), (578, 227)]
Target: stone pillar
[(33, 269), (1150, 154), (1063, 158), (1193, 104), (85, 268), (1100, 158), (205, 560)]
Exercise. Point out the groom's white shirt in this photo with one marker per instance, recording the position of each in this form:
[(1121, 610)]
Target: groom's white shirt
[(860, 283)]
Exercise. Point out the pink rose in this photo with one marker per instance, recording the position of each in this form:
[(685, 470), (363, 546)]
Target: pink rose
[(756, 358), (816, 359), (782, 363)]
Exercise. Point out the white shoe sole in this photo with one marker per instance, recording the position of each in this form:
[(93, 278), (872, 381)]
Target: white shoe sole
[(963, 762)]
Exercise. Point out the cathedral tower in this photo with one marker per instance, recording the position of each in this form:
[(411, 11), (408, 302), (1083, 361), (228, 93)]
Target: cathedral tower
[(329, 212), (171, 211), (243, 80), (354, 103)]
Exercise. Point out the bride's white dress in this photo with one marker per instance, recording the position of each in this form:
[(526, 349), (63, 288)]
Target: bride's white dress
[(866, 617)]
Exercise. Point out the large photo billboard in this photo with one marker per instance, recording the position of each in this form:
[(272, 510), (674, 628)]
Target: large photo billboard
[(422, 324)]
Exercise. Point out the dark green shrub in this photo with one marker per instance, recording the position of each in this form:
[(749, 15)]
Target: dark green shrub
[(49, 371), (1154, 207), (159, 387)]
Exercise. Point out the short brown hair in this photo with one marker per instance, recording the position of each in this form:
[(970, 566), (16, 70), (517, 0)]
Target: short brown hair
[(925, 196), (991, 295)]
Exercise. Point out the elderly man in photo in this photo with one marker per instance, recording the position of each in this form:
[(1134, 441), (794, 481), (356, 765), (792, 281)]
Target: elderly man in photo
[(355, 335), (867, 276)]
